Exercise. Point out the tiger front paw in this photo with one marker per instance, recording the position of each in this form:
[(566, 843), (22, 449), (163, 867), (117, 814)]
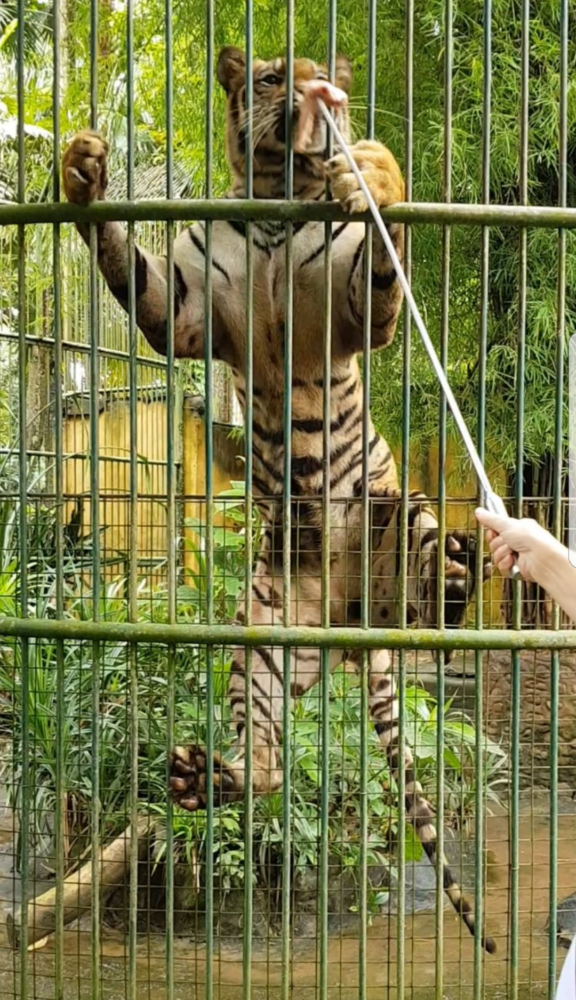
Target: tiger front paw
[(380, 171), (460, 561), (85, 168)]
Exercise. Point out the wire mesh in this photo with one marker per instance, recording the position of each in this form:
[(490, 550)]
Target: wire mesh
[(131, 539)]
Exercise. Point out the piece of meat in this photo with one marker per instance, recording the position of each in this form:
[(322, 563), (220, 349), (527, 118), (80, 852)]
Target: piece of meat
[(332, 96)]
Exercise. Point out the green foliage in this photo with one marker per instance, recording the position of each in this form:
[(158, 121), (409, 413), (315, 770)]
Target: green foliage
[(190, 682)]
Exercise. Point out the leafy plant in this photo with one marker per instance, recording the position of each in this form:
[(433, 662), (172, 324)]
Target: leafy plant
[(185, 678)]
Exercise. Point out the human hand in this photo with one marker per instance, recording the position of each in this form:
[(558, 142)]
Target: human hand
[(531, 542)]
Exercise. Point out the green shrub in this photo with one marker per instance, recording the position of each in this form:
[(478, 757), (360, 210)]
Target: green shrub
[(190, 683)]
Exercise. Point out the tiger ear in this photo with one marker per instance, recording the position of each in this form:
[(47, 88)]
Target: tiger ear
[(231, 68), (343, 73)]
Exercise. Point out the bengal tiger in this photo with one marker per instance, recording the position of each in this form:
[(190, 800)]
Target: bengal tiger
[(85, 180)]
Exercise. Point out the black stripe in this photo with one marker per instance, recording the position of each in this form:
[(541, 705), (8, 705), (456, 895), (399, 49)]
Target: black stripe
[(348, 392), (272, 437), (309, 465), (334, 381), (269, 661), (381, 705), (268, 602), (199, 246), (240, 228), (180, 290), (120, 292), (316, 253), (353, 310), (265, 488), (355, 260), (272, 471), (353, 465), (314, 426)]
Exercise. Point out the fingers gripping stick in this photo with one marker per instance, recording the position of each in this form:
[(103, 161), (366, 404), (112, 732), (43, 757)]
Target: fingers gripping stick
[(320, 94), (495, 505)]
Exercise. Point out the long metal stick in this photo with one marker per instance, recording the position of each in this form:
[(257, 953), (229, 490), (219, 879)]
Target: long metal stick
[(492, 500)]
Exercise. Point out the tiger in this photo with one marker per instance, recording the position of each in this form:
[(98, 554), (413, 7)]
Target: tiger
[(85, 175)]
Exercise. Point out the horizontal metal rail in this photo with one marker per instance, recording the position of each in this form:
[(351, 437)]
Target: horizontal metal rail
[(248, 209), (278, 635)]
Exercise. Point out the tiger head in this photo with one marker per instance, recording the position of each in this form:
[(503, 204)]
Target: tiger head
[(269, 122)]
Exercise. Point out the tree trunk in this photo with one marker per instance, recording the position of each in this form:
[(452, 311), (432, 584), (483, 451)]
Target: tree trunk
[(114, 862)]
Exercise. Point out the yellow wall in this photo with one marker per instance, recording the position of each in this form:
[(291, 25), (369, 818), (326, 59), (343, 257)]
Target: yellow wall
[(114, 469)]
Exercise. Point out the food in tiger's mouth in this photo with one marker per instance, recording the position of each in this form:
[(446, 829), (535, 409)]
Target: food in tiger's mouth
[(332, 96)]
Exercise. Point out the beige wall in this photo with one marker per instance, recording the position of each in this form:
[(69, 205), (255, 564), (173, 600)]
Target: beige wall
[(114, 433)]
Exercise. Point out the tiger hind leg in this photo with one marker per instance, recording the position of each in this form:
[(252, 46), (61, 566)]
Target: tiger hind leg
[(189, 765), (384, 711)]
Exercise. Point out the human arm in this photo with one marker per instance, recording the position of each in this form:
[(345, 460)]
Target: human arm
[(540, 557)]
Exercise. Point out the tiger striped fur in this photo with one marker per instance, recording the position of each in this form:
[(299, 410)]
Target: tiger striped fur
[(85, 177)]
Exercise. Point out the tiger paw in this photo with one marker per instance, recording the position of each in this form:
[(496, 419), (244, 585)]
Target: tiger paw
[(379, 169), (85, 168), (460, 561), (189, 774)]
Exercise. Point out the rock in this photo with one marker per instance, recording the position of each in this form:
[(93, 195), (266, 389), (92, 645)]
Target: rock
[(566, 920)]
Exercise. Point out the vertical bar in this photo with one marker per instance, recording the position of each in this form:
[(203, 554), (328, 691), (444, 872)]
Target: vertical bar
[(325, 564), (365, 539), (248, 824), (22, 526), (440, 597), (287, 506), (481, 433), (209, 115), (403, 514), (133, 503), (59, 539), (95, 529), (520, 393), (558, 492), (171, 485)]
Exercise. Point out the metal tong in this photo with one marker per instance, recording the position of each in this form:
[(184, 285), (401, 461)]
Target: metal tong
[(491, 500)]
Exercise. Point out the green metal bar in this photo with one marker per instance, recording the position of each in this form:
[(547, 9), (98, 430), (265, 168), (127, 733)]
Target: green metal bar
[(481, 436), (74, 345), (403, 532), (209, 460), (95, 529), (442, 452), (365, 600), (335, 637), (133, 506), (59, 539), (286, 522), (188, 210), (171, 487), (323, 875), (517, 586), (248, 438), (558, 493), (22, 519)]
